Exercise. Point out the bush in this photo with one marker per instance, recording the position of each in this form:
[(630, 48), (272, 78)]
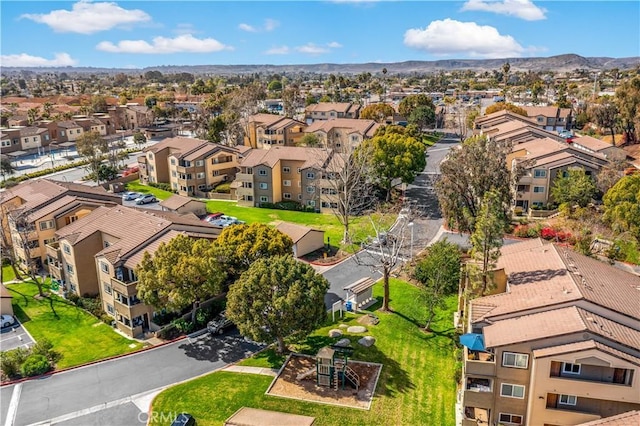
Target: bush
[(72, 297), (223, 188), (288, 205), (35, 365), (534, 231), (521, 231), (168, 332), (11, 361), (45, 348), (183, 325), (162, 186), (163, 317)]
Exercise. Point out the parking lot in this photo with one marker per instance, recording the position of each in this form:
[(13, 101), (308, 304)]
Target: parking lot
[(150, 206), (14, 336)]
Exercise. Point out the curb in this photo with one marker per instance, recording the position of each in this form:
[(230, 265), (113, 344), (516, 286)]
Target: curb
[(75, 367)]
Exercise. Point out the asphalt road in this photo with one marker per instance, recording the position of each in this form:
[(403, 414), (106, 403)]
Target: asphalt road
[(117, 392)]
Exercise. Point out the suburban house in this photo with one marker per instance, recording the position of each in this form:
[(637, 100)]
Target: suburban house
[(330, 111), (558, 343), (305, 239), (281, 174), (34, 138), (131, 116), (544, 160), (34, 210), (499, 117), (183, 205), (99, 255), (267, 130), (191, 166), (92, 125), (551, 118), (343, 133), (65, 131), (590, 144), (10, 140)]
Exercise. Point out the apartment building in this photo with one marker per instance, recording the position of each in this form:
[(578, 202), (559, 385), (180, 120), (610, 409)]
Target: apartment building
[(34, 210), (90, 124), (65, 131), (267, 130), (342, 134), (99, 255), (330, 111), (559, 341), (10, 140), (191, 166), (131, 116), (551, 118), (544, 160), (281, 174), (499, 117)]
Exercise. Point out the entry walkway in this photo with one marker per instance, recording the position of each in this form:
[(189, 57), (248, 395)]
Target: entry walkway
[(252, 370)]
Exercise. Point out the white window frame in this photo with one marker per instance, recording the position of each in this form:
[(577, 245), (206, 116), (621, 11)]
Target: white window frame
[(69, 269), (264, 185), (510, 421), (46, 224), (286, 196), (513, 387), (515, 363), (311, 175), (571, 368), (264, 199), (200, 175), (286, 170), (538, 189), (262, 172), (539, 173), (311, 189), (567, 399), (199, 163), (104, 267), (66, 248), (286, 182), (107, 288)]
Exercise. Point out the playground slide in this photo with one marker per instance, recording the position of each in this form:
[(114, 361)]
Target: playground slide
[(306, 374)]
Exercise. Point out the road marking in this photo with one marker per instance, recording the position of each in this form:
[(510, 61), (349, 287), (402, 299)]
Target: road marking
[(13, 405)]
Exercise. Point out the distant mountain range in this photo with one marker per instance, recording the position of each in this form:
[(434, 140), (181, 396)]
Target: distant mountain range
[(568, 62)]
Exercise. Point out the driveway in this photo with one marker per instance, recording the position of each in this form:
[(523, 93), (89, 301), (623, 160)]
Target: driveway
[(118, 391), (14, 336)]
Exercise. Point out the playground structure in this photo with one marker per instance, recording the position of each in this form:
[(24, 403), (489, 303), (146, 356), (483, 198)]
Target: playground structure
[(331, 368)]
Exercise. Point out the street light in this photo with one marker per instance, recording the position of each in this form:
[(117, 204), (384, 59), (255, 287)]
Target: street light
[(410, 225)]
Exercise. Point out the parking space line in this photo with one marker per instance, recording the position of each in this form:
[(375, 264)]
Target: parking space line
[(13, 405)]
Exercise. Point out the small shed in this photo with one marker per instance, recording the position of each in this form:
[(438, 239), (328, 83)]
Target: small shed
[(5, 301), (180, 204), (246, 416), (360, 293), (305, 239)]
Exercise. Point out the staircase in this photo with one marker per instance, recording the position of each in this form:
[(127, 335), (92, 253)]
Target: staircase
[(352, 376)]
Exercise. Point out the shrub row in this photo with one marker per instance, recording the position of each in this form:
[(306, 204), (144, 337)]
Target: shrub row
[(288, 205), (162, 186), (34, 361)]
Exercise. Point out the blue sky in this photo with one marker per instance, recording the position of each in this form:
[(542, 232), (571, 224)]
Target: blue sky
[(136, 34)]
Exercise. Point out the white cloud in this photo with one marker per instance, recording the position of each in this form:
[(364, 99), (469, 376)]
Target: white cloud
[(89, 18), (523, 9), (24, 60), (269, 25), (334, 45), (312, 49), (185, 43), (451, 37), (281, 50), (247, 28), (185, 28)]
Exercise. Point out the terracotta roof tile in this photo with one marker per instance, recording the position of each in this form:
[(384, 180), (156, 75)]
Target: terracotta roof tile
[(364, 127), (313, 157), (583, 346), (136, 256), (176, 201), (330, 106), (630, 418), (294, 231), (177, 143)]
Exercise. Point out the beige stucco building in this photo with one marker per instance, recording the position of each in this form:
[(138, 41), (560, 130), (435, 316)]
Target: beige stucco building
[(267, 130), (562, 343), (305, 239), (343, 134)]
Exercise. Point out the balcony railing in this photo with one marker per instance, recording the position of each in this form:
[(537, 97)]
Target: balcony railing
[(479, 363)]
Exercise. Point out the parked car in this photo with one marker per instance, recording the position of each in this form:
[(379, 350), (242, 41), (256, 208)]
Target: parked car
[(213, 216), (219, 324), (184, 419), (146, 199), (129, 195), (7, 320)]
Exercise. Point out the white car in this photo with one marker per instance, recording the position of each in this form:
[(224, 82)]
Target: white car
[(7, 320)]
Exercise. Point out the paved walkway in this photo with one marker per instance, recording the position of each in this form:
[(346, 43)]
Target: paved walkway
[(252, 370)]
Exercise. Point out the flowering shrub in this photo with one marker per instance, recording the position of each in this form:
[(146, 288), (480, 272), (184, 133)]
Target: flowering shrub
[(521, 231)]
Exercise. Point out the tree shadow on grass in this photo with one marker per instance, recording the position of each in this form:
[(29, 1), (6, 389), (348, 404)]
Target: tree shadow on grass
[(229, 348), (394, 379)]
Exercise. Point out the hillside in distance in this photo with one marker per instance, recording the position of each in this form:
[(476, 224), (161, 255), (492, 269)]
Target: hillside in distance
[(560, 63)]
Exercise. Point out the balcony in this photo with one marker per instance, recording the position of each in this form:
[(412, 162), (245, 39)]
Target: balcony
[(474, 416), (128, 289), (53, 251), (479, 363), (593, 374)]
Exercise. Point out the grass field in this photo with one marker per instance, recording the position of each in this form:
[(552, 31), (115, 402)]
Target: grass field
[(77, 335), (8, 274), (416, 386), (327, 222)]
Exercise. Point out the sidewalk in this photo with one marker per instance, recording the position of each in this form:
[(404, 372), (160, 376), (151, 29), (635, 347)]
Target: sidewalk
[(252, 370)]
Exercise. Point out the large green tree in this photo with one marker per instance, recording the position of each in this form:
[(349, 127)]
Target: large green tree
[(573, 187), (486, 239), (238, 246), (500, 106), (628, 101), (377, 112), (411, 102), (180, 273), (622, 205), (277, 297), (423, 117), (605, 115), (93, 147), (477, 167), (394, 157)]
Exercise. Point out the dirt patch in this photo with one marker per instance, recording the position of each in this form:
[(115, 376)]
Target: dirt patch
[(286, 384)]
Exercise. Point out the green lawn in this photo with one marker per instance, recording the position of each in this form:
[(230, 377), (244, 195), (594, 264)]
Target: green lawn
[(77, 335), (416, 386), (8, 274), (326, 222)]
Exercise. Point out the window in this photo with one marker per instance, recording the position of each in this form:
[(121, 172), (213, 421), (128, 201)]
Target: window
[(264, 199), (202, 187), (66, 249), (199, 163), (264, 185), (311, 175), (512, 391), (107, 288), (46, 224), (511, 419), (286, 170), (173, 173), (104, 267), (110, 309), (200, 175), (539, 173), (286, 183), (311, 189), (569, 368), (262, 172), (298, 170), (173, 161), (311, 203), (510, 359), (286, 196), (538, 189), (568, 400), (69, 269)]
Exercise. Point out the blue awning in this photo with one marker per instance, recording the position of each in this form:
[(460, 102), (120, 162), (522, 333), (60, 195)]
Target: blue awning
[(473, 341)]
